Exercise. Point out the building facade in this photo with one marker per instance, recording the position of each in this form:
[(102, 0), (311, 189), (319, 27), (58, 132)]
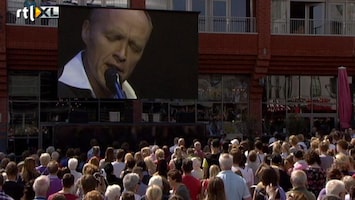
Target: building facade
[(264, 66)]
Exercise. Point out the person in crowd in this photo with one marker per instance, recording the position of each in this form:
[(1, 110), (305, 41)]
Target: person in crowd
[(41, 187), (215, 190), (72, 165), (3, 195), (67, 189), (239, 160), (88, 183), (316, 176), (11, 186), (344, 163), (84, 75), (326, 159), (119, 164), (196, 172), (172, 148), (131, 183), (128, 195), (145, 176), (151, 166), (110, 177), (175, 182), (213, 171), (198, 150), (162, 168), (285, 149), (94, 195), (269, 187), (44, 160), (138, 157), (301, 142), (130, 163), (29, 171), (162, 183), (193, 184), (55, 181), (176, 159), (277, 164), (142, 188), (113, 192), (293, 140), (68, 154), (349, 182), (299, 184), (211, 159), (109, 157), (55, 156), (28, 193), (253, 163), (259, 148), (300, 162), (342, 147), (235, 186), (154, 192), (332, 173), (335, 188)]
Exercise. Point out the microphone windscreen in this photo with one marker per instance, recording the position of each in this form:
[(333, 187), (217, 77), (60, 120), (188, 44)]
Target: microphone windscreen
[(111, 78)]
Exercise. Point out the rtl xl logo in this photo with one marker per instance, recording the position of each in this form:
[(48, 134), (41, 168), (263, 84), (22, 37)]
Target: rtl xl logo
[(33, 12)]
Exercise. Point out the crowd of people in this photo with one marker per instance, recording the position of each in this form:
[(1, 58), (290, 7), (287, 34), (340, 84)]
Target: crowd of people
[(293, 168)]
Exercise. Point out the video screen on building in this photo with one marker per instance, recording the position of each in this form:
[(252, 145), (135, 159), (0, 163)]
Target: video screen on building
[(123, 53)]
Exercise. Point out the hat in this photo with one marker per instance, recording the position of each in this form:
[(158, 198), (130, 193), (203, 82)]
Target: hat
[(235, 142), (298, 154), (276, 158)]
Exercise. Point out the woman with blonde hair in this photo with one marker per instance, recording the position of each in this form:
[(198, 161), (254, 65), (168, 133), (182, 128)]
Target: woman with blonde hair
[(213, 171), (154, 192), (215, 189), (285, 149), (151, 166), (293, 140)]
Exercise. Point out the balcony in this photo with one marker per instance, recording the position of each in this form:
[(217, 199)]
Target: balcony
[(205, 24), (313, 27), (227, 24)]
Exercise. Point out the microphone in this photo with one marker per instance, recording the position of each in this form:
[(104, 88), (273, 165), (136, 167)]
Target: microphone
[(113, 83)]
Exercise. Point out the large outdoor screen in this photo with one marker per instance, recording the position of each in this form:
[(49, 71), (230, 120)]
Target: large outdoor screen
[(127, 54)]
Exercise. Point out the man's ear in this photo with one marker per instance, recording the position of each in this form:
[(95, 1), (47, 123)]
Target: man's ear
[(85, 31)]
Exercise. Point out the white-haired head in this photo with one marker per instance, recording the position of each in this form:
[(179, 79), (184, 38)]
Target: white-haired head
[(44, 159), (113, 192), (72, 163), (156, 180)]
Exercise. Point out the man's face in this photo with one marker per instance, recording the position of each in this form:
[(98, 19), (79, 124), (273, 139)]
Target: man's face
[(114, 38)]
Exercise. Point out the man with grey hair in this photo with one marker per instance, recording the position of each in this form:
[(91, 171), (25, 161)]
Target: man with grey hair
[(131, 183), (40, 187), (335, 188), (234, 185), (299, 181)]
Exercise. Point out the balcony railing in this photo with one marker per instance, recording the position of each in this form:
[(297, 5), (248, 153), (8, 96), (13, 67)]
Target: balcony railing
[(313, 27), (227, 24)]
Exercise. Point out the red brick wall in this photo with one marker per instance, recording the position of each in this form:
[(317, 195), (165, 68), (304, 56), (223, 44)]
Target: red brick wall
[(3, 78)]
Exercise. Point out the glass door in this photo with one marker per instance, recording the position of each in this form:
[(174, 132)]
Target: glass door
[(315, 18), (219, 14)]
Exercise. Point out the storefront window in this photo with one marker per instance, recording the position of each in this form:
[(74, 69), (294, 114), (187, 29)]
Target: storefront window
[(309, 101)]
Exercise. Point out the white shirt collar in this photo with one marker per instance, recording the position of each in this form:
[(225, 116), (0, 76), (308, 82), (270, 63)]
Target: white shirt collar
[(75, 68)]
